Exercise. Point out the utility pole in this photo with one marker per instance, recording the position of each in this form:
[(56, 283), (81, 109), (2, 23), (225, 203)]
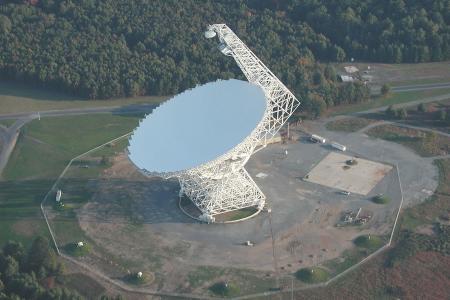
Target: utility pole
[(275, 265)]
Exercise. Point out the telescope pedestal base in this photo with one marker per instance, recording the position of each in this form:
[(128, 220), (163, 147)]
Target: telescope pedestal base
[(216, 196)]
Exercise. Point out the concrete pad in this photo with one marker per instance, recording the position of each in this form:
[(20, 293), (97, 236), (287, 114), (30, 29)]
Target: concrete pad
[(360, 178)]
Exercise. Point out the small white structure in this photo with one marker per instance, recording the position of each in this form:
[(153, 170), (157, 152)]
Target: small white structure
[(317, 139), (58, 195), (346, 78), (351, 69), (139, 274), (248, 243), (338, 146), (80, 244)]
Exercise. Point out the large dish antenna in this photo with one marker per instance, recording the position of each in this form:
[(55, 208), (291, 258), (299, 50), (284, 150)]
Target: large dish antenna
[(221, 184)]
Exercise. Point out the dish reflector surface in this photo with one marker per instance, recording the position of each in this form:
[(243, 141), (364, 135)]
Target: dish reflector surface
[(197, 126)]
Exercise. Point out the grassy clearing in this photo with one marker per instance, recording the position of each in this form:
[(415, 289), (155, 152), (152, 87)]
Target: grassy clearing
[(380, 199), (225, 289), (7, 123), (403, 74), (423, 142), (46, 146), (245, 281), (203, 274), (312, 275), (16, 98), (349, 258), (420, 81), (431, 117), (436, 208), (371, 242), (20, 217), (43, 150), (348, 124), (391, 99)]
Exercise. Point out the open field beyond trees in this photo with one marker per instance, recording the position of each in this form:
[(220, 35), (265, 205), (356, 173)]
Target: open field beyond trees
[(20, 98)]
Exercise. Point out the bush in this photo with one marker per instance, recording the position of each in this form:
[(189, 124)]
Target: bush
[(78, 251), (385, 89), (312, 275), (371, 242), (224, 289), (351, 162), (380, 199), (422, 108), (134, 278), (402, 114)]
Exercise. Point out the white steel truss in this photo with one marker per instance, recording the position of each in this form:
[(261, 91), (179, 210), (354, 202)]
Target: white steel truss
[(223, 185)]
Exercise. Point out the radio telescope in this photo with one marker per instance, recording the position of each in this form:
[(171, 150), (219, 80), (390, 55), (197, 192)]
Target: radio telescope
[(205, 136)]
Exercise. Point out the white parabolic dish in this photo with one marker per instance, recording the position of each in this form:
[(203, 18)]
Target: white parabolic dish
[(197, 126)]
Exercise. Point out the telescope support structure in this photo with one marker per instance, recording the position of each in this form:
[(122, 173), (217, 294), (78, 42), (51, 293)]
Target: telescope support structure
[(223, 184)]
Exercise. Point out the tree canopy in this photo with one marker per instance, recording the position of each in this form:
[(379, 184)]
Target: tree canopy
[(22, 273), (104, 49)]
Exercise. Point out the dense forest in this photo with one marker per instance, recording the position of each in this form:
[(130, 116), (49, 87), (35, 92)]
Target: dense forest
[(104, 49), (31, 274)]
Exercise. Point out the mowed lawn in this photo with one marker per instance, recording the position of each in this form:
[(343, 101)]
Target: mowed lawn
[(20, 98), (43, 150), (391, 99)]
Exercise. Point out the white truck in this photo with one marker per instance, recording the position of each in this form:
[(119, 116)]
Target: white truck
[(338, 146), (317, 139)]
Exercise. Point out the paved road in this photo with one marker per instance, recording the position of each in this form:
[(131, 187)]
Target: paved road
[(420, 87), (411, 103), (136, 108), (8, 137), (399, 124), (413, 87)]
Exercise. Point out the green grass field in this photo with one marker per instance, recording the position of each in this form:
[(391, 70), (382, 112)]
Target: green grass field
[(312, 275), (348, 124), (391, 99), (43, 150), (16, 98), (7, 123), (423, 142), (371, 242)]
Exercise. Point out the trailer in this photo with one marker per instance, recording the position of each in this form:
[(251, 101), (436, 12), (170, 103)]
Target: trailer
[(317, 139), (338, 146)]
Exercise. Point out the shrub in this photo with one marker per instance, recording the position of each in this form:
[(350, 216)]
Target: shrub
[(224, 289), (75, 250), (385, 89), (380, 199), (351, 162), (422, 108), (312, 275), (370, 242)]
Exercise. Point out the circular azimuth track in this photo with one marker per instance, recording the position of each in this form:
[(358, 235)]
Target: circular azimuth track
[(222, 184)]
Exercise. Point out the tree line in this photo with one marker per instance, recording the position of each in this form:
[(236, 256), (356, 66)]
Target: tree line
[(106, 49), (27, 274)]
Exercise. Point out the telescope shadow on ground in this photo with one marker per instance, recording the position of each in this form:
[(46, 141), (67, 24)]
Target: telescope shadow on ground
[(136, 202)]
